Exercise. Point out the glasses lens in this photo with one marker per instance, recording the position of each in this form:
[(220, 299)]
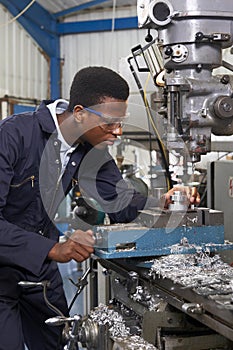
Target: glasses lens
[(111, 125), (109, 122), (114, 122)]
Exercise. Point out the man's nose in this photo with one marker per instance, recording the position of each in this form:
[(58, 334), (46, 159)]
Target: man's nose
[(117, 131)]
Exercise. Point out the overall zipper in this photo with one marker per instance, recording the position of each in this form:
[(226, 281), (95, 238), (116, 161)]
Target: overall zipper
[(55, 191), (52, 201), (74, 182)]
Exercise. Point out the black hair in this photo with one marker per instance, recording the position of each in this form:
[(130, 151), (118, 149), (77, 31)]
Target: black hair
[(92, 84)]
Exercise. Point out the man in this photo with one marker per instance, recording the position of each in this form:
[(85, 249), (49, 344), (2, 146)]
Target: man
[(42, 155)]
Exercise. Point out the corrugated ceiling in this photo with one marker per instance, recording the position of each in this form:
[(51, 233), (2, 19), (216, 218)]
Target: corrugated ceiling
[(54, 6)]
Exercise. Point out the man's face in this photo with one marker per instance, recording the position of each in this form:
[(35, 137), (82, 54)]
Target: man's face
[(101, 124)]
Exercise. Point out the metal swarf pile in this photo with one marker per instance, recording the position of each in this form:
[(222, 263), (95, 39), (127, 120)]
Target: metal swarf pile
[(206, 275), (119, 332)]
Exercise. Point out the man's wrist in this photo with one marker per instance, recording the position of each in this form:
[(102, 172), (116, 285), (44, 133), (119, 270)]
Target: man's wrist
[(52, 253)]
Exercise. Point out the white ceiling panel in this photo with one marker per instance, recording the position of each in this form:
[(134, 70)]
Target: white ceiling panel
[(54, 6)]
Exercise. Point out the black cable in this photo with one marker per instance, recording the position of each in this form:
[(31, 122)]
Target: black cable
[(80, 285), (161, 148)]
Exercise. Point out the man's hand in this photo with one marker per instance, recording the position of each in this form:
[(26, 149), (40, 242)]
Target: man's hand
[(79, 247), (192, 195)]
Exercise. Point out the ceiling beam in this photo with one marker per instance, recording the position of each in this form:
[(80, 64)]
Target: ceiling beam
[(97, 25)]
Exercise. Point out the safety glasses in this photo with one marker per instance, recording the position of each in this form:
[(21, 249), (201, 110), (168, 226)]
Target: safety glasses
[(109, 123)]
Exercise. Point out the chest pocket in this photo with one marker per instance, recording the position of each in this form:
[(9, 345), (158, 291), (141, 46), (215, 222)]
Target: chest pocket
[(24, 205), (22, 182), (23, 188)]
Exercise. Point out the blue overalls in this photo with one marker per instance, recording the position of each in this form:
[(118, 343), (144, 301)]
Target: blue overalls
[(30, 192)]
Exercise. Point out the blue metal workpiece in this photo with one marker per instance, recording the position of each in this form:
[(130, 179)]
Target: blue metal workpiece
[(141, 242)]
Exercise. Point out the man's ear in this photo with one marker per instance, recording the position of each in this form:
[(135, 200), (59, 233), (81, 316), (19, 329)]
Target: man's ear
[(78, 113)]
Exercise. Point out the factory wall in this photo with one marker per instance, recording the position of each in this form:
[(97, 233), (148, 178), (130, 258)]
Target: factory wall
[(24, 69), (98, 48)]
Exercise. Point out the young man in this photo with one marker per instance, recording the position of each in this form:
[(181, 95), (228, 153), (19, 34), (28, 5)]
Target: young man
[(42, 155)]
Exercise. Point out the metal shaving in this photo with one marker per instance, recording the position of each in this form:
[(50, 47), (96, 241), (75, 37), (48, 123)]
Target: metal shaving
[(134, 342), (184, 244), (205, 274), (142, 295), (103, 315)]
